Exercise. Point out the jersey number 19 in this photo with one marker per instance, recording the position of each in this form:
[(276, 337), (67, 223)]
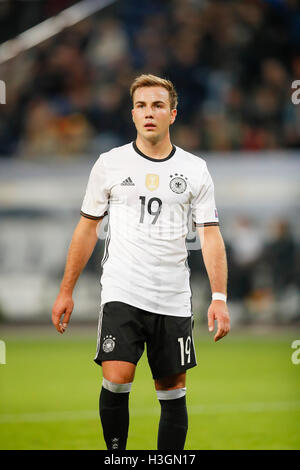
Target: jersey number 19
[(150, 208)]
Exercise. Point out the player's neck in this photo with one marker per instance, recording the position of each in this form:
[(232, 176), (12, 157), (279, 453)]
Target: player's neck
[(159, 150)]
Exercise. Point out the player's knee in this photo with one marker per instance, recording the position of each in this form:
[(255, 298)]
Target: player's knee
[(171, 382), (118, 372)]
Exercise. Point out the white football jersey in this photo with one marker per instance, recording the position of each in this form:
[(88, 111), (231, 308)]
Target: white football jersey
[(149, 202)]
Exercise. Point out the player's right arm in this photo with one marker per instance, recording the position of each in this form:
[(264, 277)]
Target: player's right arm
[(81, 248)]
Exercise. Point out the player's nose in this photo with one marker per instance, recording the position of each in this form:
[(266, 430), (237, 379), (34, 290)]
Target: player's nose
[(149, 113)]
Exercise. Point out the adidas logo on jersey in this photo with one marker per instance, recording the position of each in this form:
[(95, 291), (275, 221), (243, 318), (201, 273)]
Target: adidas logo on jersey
[(128, 182)]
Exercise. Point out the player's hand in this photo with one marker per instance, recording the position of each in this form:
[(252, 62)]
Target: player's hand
[(62, 307), (218, 311)]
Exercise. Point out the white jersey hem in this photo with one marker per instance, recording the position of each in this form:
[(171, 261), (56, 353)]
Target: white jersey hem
[(117, 298)]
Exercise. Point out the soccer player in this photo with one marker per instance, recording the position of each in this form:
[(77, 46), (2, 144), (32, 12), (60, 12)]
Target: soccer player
[(148, 188)]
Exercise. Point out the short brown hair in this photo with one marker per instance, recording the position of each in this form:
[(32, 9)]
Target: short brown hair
[(153, 80)]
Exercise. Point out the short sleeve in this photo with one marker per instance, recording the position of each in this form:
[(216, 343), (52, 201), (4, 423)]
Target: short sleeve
[(96, 199), (204, 212)]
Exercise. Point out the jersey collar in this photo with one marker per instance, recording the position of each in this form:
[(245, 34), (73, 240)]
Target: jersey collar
[(154, 159)]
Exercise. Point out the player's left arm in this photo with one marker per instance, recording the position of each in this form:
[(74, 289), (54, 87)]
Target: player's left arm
[(215, 260)]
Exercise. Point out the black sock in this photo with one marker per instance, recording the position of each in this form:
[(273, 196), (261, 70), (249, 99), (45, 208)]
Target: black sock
[(173, 424), (114, 414)]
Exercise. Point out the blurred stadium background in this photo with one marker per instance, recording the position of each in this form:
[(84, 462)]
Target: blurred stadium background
[(233, 64)]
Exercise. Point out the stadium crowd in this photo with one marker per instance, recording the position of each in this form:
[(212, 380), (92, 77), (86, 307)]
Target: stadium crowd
[(232, 62)]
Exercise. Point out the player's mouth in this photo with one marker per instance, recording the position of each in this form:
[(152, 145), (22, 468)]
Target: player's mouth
[(149, 125)]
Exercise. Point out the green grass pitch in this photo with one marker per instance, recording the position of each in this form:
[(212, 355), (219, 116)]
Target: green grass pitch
[(244, 393)]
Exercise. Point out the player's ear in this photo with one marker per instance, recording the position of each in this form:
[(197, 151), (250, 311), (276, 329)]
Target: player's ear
[(132, 114), (173, 115)]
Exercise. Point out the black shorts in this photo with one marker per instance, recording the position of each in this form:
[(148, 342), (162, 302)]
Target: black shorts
[(123, 331)]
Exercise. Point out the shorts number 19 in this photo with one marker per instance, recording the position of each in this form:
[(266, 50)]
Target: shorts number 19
[(185, 349)]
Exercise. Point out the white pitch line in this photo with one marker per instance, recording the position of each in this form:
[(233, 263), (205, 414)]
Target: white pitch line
[(49, 416)]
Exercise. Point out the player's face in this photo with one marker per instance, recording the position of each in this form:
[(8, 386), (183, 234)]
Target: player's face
[(151, 112)]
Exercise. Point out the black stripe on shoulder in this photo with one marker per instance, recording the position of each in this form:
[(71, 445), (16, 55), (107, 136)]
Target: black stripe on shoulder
[(207, 224), (92, 217)]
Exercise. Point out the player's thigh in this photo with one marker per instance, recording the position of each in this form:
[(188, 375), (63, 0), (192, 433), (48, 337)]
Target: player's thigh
[(118, 371), (171, 382)]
